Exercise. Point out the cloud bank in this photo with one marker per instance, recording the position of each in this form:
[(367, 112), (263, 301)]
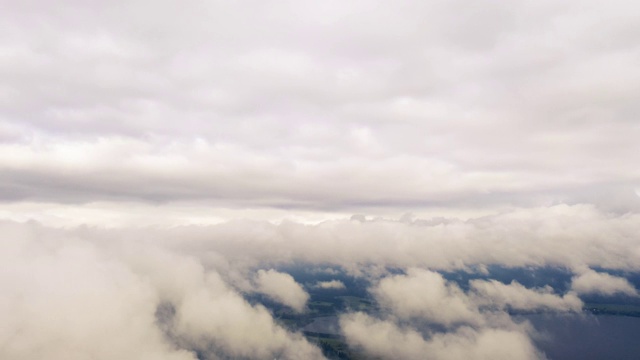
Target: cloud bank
[(178, 293)]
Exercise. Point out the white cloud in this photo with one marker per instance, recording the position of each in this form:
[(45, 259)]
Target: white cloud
[(566, 236), (387, 340), (472, 324), (426, 295), (62, 299), (69, 296), (591, 282), (561, 235), (331, 284), (281, 287), (220, 316), (128, 266), (494, 294)]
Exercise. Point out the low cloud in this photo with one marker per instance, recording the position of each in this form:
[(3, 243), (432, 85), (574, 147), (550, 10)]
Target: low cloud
[(390, 341), (494, 294), (332, 284), (592, 282), (62, 298), (72, 297), (282, 288), (220, 317), (579, 236), (426, 295), (77, 284), (425, 314)]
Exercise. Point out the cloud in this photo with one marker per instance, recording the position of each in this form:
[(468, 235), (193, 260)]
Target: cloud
[(282, 288), (591, 282), (494, 294), (561, 235), (111, 104), (211, 136), (72, 296), (426, 295), (387, 340), (221, 317), (332, 284), (62, 299), (425, 315), (123, 271)]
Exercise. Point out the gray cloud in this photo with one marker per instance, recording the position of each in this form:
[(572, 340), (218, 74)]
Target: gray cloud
[(418, 105)]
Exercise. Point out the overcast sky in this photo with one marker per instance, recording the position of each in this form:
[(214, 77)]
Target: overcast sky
[(202, 111)]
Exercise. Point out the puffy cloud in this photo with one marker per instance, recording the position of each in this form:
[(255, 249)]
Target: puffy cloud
[(592, 282), (389, 341), (429, 317), (426, 295), (63, 299), (331, 284), (282, 287), (216, 315), (495, 294), (74, 296)]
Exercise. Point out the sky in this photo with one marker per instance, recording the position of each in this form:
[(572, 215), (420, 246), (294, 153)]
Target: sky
[(422, 135)]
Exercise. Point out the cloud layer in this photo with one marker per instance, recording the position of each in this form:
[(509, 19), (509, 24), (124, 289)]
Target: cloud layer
[(321, 107), (169, 293)]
